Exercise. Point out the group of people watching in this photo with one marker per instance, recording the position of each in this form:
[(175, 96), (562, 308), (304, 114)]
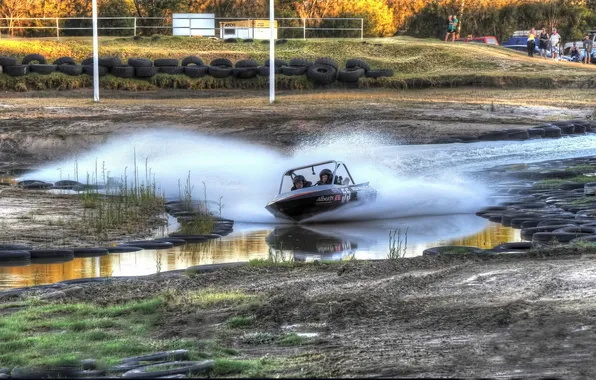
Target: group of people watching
[(553, 43)]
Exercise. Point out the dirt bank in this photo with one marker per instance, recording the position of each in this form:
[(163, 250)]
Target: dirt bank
[(47, 125), (530, 316)]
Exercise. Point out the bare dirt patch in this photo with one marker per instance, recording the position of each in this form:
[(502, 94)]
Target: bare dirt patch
[(494, 317), (48, 125), (54, 220)]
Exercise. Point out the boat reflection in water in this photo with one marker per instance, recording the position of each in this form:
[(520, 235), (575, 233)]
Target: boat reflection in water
[(305, 244), (370, 240)]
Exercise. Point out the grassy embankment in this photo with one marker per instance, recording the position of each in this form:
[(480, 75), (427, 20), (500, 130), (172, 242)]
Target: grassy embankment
[(416, 62)]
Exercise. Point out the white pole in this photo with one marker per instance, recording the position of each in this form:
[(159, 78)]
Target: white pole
[(95, 54), (271, 53)]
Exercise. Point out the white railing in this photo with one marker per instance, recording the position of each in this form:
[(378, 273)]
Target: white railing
[(308, 26)]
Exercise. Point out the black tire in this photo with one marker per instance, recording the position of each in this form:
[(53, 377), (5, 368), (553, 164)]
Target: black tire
[(380, 73), (110, 62), (453, 250), (322, 74), (145, 72), (159, 356), (220, 72), (123, 71), (247, 63), (536, 132), (42, 69), (102, 71), (215, 267), (137, 38), (248, 40), (7, 61), (137, 62), (14, 247), (516, 246), (40, 253), (224, 62), (264, 71), (40, 59), (191, 238), (230, 40), (196, 71), (172, 70), (281, 42), (300, 62), (64, 61), (123, 249), (185, 367), (14, 255), (246, 72), (89, 252), (552, 132), (265, 41), (16, 71), (87, 62), (72, 70), (518, 135), (192, 60), (278, 63), (294, 70), (358, 63), (350, 75), (176, 242), (148, 244), (165, 62), (327, 61), (581, 129)]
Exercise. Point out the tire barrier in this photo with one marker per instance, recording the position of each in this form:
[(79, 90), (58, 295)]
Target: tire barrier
[(170, 369), (454, 250), (37, 58), (64, 61), (42, 69), (72, 70)]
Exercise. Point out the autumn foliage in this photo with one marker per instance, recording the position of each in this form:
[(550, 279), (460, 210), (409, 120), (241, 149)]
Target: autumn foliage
[(422, 18)]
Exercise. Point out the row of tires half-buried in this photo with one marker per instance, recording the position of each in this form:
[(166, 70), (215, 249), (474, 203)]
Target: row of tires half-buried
[(19, 254), (545, 227), (168, 364), (321, 71), (549, 130)]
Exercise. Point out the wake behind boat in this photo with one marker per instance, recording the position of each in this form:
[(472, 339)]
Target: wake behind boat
[(299, 199)]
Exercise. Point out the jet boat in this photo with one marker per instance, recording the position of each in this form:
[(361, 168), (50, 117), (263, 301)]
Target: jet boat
[(340, 191)]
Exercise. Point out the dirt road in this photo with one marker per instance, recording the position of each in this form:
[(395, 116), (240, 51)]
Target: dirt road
[(529, 316), (46, 125)]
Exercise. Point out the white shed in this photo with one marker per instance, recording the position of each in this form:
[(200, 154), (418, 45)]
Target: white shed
[(193, 24)]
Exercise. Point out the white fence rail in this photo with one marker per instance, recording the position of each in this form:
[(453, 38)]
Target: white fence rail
[(305, 27)]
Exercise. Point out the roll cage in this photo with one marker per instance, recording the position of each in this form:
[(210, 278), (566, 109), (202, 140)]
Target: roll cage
[(337, 164)]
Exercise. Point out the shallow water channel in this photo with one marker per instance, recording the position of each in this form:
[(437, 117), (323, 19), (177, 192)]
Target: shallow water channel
[(247, 242), (414, 195)]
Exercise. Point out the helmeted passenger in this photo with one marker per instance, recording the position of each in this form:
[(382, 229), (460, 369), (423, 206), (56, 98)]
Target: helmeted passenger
[(300, 182), (325, 177)]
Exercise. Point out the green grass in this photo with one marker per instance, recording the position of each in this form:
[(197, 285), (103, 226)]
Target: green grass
[(583, 200), (225, 367), (240, 322), (292, 339), (416, 63), (210, 298), (555, 183), (50, 335)]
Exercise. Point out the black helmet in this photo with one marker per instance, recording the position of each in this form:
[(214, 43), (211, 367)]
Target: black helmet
[(299, 178), (327, 172)]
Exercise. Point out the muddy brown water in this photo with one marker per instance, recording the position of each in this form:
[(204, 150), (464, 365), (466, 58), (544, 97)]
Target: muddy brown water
[(249, 242)]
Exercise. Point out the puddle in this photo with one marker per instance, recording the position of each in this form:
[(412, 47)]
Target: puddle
[(253, 241)]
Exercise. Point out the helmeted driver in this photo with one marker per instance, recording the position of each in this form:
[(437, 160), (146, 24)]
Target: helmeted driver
[(300, 182), (325, 177)]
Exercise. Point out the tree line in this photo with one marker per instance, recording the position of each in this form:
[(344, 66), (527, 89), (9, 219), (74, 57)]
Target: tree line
[(382, 18)]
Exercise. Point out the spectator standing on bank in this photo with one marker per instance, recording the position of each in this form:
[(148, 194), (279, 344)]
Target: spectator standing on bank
[(543, 42), (555, 40), (588, 45), (531, 42), (452, 28)]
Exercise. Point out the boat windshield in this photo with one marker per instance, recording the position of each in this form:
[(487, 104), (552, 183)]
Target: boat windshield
[(312, 174)]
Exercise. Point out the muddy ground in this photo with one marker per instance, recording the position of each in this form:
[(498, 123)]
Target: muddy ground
[(500, 317), (38, 126), (56, 220)]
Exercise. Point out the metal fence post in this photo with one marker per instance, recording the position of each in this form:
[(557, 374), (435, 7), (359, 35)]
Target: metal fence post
[(361, 28), (303, 28), (135, 26), (57, 29)]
